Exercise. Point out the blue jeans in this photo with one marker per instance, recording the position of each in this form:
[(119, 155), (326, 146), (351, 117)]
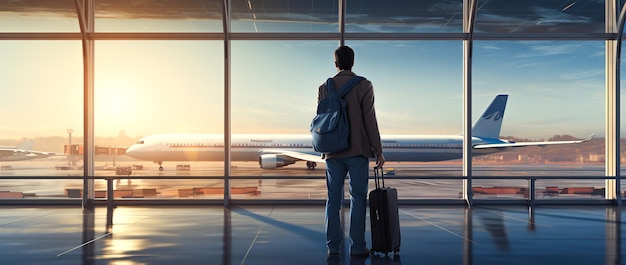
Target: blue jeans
[(336, 171)]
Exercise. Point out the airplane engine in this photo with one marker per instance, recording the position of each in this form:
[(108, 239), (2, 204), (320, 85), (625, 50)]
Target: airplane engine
[(270, 161)]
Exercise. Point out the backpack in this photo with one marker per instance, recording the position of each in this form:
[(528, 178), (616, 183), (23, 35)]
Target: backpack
[(330, 128)]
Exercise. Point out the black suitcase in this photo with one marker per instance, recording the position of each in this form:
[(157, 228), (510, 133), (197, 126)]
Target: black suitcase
[(384, 217)]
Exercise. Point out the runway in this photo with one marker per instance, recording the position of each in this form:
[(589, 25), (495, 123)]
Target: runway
[(291, 182)]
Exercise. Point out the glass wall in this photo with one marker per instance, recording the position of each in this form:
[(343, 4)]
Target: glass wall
[(166, 94), (38, 16), (158, 16), (42, 80), (404, 16), (159, 71), (160, 95), (274, 97), (42, 99), (418, 94), (284, 16), (556, 92), (540, 16)]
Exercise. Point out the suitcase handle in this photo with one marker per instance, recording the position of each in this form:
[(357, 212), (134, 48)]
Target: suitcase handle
[(378, 177)]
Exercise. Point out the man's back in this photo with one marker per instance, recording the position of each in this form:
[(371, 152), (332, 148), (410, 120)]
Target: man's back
[(364, 136)]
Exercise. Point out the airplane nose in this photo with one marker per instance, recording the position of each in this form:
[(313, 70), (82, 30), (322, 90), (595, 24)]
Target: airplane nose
[(132, 150)]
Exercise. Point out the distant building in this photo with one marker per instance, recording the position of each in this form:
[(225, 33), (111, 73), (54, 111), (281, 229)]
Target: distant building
[(596, 157)]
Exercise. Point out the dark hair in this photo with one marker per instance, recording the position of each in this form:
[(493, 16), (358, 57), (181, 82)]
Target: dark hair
[(344, 58)]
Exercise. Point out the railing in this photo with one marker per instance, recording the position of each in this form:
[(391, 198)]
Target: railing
[(481, 195)]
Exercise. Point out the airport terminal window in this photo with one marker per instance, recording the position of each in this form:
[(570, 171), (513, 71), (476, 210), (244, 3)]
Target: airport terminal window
[(404, 16), (556, 92), (284, 16), (158, 16), (544, 16), (41, 102), (415, 88), (275, 92), (38, 16), (415, 83), (137, 93)]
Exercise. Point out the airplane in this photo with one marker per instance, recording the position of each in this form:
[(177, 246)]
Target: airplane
[(23, 151), (279, 150)]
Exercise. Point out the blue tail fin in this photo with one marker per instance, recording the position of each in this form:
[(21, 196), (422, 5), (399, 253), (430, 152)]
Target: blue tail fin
[(490, 122)]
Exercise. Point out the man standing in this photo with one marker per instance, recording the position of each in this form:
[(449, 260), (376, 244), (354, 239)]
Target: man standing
[(364, 144)]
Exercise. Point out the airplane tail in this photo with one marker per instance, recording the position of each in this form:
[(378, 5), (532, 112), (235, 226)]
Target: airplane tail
[(26, 145), (490, 122)]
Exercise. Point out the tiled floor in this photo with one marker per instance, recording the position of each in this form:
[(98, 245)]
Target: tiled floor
[(295, 235)]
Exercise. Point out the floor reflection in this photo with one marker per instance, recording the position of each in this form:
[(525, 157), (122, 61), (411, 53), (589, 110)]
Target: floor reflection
[(89, 235), (494, 223), (295, 235), (227, 238)]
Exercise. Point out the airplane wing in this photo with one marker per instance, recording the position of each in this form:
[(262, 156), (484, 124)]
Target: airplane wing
[(39, 153), (294, 155), (24, 154), (4, 152), (501, 145)]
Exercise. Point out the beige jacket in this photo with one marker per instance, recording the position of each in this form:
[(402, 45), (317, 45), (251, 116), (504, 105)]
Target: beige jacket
[(364, 134)]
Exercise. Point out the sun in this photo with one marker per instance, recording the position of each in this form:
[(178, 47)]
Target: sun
[(115, 103), (115, 97)]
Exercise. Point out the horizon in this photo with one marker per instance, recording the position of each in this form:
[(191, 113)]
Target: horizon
[(75, 136)]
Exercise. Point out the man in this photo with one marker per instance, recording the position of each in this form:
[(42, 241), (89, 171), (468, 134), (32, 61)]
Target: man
[(364, 144)]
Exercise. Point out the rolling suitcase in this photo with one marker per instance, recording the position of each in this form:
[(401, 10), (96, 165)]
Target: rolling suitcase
[(384, 217)]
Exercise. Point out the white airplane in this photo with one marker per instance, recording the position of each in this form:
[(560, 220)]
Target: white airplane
[(23, 151), (279, 150)]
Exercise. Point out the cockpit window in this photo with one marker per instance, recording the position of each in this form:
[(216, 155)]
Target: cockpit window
[(140, 142)]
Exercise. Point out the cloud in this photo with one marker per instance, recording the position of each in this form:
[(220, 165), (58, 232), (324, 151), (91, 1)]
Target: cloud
[(551, 48), (556, 17), (597, 74)]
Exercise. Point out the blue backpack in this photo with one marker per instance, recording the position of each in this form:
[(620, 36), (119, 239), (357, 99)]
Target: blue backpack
[(330, 128)]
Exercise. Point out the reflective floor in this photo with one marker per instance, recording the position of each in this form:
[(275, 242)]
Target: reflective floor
[(295, 235)]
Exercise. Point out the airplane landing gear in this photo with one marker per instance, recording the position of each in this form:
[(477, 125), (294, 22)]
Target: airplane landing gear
[(311, 165)]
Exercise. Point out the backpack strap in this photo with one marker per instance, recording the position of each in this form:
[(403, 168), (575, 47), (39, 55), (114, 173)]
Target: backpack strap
[(330, 87), (348, 86)]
